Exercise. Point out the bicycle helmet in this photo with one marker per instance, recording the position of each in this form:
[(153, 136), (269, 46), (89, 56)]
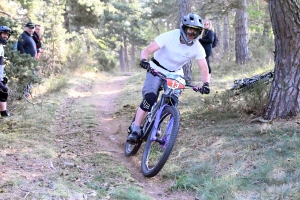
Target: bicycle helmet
[(191, 20), (6, 30)]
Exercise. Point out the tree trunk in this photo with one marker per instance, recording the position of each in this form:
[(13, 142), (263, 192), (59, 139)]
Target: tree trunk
[(121, 59), (215, 53), (125, 51), (184, 7), (284, 99), (132, 62), (266, 23), (241, 37), (187, 70), (225, 37)]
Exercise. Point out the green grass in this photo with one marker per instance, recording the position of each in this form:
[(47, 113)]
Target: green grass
[(129, 194), (53, 132), (219, 153)]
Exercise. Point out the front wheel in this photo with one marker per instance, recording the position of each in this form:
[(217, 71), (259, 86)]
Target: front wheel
[(156, 153)]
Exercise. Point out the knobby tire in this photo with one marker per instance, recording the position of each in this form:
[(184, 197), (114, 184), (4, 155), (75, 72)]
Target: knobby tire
[(155, 155), (132, 149)]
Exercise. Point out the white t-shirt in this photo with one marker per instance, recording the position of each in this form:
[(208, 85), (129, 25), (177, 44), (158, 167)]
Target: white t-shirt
[(1, 62), (172, 54)]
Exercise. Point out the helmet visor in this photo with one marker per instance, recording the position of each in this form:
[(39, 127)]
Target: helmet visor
[(192, 32)]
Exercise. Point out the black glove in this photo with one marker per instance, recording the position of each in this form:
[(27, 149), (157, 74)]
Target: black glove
[(3, 87), (145, 64), (5, 80), (205, 88)]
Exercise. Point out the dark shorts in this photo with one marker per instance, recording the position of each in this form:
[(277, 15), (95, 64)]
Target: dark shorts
[(3, 96), (151, 84)]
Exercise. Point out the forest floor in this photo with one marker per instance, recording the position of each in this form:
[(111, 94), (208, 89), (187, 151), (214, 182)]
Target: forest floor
[(75, 167)]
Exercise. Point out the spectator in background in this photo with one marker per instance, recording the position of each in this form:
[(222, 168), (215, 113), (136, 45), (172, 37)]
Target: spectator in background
[(38, 38), (5, 33), (26, 43), (206, 39)]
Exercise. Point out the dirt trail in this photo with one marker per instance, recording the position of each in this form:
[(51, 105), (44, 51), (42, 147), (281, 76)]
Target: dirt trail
[(72, 139), (112, 138)]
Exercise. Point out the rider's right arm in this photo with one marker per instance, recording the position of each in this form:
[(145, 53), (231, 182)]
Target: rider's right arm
[(1, 63), (202, 64), (150, 49)]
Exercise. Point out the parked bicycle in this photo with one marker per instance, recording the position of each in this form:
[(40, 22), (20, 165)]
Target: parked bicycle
[(247, 83), (161, 126)]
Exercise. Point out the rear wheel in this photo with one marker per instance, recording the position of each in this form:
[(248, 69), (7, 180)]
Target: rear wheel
[(156, 153), (132, 149)]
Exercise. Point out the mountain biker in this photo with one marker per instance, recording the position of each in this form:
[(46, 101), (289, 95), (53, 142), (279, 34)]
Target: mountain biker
[(171, 51), (5, 33)]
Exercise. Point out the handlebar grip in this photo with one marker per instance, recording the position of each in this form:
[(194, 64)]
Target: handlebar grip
[(152, 71), (196, 88)]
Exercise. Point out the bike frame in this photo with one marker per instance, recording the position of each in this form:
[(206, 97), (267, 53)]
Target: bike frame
[(169, 98)]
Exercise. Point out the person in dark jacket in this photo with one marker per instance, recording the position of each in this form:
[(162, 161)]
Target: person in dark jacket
[(206, 39), (38, 40), (26, 43), (5, 33)]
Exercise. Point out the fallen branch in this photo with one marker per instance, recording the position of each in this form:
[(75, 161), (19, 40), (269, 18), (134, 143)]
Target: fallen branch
[(260, 119)]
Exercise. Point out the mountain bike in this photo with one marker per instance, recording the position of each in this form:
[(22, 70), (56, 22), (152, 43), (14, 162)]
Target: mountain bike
[(161, 126), (247, 83)]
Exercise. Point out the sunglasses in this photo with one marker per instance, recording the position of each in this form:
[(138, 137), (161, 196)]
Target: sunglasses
[(193, 34)]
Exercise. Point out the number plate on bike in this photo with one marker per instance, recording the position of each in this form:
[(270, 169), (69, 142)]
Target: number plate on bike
[(175, 81)]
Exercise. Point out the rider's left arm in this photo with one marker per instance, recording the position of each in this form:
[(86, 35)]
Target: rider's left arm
[(202, 64)]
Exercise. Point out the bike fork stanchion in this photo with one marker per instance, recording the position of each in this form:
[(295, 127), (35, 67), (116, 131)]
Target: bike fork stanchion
[(169, 131), (156, 122)]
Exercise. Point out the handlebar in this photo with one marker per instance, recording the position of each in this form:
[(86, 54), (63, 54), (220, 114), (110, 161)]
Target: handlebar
[(154, 72)]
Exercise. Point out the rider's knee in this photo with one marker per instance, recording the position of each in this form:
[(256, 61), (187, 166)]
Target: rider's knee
[(148, 101)]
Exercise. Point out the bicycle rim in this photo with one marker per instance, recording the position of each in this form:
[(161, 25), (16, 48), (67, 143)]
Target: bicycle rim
[(156, 153)]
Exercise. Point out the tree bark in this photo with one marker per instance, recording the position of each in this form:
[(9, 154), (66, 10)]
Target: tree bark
[(122, 59), (125, 51), (184, 7), (225, 37), (241, 37), (217, 29), (284, 98), (132, 62)]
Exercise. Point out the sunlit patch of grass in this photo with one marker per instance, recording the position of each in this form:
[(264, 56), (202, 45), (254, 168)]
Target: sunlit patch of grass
[(129, 193), (55, 84), (247, 155), (132, 91), (219, 153)]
